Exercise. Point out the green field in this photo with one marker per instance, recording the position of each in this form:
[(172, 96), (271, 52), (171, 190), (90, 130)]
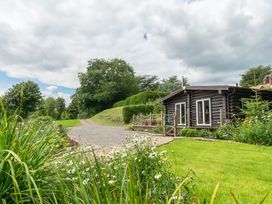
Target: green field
[(112, 117), (243, 169), (69, 123)]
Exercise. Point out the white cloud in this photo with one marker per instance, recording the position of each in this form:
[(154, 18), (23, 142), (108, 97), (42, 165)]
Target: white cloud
[(52, 91), (208, 41)]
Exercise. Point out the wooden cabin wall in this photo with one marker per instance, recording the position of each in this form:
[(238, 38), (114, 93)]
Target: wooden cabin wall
[(218, 101)]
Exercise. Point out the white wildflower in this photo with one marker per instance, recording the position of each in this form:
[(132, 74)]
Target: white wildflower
[(85, 181), (111, 182), (71, 171), (157, 176)]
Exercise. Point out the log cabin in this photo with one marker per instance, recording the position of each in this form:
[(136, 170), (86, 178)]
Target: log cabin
[(207, 106)]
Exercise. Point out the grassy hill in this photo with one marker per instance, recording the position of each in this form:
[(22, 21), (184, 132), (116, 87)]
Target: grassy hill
[(112, 116)]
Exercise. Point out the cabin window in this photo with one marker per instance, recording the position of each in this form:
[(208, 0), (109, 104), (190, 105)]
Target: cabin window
[(203, 112), (181, 113)]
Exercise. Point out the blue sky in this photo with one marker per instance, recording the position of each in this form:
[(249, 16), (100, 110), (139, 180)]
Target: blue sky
[(47, 90)]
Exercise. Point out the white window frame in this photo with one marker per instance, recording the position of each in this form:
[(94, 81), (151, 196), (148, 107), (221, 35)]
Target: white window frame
[(203, 114), (180, 118)]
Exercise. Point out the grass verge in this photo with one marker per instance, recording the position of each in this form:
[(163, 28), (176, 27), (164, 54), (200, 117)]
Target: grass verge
[(111, 117), (240, 168), (68, 123)]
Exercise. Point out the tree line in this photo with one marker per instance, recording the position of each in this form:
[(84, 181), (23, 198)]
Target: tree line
[(104, 83)]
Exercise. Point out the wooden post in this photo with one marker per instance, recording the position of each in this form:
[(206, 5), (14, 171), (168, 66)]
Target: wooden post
[(221, 117), (150, 118), (161, 118), (164, 123), (175, 124)]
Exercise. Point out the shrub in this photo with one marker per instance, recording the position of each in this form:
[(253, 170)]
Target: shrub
[(158, 130), (142, 98), (188, 132), (227, 131), (128, 111), (255, 132)]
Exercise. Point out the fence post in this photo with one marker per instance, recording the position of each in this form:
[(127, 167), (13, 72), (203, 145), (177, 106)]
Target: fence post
[(164, 123), (175, 125), (161, 118), (150, 118)]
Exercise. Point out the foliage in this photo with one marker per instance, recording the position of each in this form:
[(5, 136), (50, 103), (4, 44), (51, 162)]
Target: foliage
[(256, 107), (256, 131), (148, 82), (228, 131), (173, 83), (255, 75), (138, 174), (104, 83), (24, 98), (128, 111), (72, 109), (237, 166), (119, 104), (188, 132), (111, 116), (59, 107), (142, 98), (26, 150)]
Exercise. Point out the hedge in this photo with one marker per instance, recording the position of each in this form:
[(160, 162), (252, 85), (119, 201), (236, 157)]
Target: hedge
[(128, 111), (141, 98)]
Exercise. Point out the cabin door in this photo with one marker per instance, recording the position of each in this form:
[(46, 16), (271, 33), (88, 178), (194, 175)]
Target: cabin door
[(180, 110)]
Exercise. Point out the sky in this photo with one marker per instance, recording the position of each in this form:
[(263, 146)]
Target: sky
[(207, 41)]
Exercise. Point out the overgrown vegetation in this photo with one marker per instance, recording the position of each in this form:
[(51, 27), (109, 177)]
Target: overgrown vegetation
[(36, 168), (142, 98), (128, 111)]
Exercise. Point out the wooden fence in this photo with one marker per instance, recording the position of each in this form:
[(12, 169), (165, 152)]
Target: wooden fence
[(166, 121)]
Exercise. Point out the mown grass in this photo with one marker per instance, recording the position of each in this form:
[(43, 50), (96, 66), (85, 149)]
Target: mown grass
[(243, 169), (111, 117), (68, 123)]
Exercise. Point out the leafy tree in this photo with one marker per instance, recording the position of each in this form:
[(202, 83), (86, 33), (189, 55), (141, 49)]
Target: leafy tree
[(148, 82), (255, 75), (60, 107), (72, 110), (173, 83), (24, 97), (104, 83), (50, 107)]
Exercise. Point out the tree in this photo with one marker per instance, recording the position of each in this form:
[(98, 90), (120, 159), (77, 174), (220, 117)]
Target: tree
[(104, 83), (24, 97), (255, 75), (49, 107), (148, 82), (173, 83), (72, 110), (60, 107)]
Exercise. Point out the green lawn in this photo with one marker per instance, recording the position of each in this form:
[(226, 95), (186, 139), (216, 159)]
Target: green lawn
[(243, 169), (112, 117), (69, 123)]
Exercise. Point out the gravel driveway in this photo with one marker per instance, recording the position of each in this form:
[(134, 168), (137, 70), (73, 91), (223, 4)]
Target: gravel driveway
[(90, 133)]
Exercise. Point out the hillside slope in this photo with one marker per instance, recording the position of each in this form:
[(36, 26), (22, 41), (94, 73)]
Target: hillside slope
[(112, 117)]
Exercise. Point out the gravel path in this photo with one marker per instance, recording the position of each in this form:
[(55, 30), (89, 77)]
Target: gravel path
[(90, 133)]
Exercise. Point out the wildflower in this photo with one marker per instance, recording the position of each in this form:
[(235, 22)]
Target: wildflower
[(163, 152), (111, 182), (71, 171), (70, 163), (157, 176), (152, 155), (85, 181)]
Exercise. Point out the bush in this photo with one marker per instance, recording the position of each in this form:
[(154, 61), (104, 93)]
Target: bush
[(255, 132), (142, 98), (188, 132), (227, 131), (128, 111)]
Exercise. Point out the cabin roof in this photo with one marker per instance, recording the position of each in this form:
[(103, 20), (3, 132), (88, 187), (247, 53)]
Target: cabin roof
[(202, 88)]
